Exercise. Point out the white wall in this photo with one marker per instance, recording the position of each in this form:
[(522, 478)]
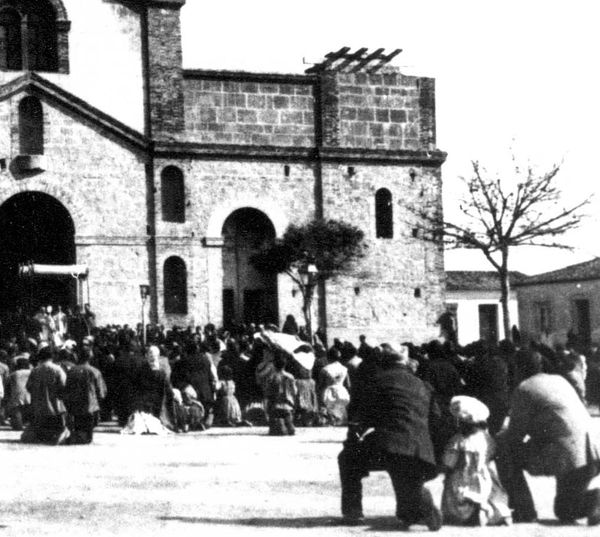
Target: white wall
[(467, 313), (105, 59)]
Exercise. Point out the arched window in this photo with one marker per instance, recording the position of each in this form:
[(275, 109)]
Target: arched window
[(34, 35), (11, 56), (384, 214), (172, 195), (42, 41), (31, 126), (175, 285)]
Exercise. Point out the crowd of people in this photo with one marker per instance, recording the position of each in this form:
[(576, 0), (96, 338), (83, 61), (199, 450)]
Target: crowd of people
[(413, 411), (482, 415)]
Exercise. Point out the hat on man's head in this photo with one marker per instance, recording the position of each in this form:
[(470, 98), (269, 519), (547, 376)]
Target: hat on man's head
[(69, 344), (468, 409), (394, 351)]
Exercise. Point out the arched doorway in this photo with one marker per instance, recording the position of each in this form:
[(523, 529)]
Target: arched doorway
[(249, 296), (35, 227)]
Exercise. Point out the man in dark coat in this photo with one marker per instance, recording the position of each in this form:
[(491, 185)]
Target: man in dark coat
[(153, 392), (46, 385), (197, 370), (398, 407), (84, 391)]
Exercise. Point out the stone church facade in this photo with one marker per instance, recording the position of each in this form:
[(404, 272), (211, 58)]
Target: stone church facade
[(114, 157)]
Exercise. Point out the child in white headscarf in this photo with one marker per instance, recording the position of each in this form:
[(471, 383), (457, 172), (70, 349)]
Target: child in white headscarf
[(472, 492)]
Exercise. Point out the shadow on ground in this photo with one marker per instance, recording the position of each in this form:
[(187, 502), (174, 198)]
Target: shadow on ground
[(379, 523)]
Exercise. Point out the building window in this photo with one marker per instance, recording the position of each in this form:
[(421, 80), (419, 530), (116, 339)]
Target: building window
[(384, 214), (543, 321), (173, 195), (488, 322), (31, 127), (34, 36), (42, 42), (175, 285), (11, 56)]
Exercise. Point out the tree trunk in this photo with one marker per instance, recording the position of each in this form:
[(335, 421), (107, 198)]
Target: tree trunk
[(504, 295), (307, 298)]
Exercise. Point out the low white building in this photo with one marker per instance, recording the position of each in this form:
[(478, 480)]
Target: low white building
[(473, 297)]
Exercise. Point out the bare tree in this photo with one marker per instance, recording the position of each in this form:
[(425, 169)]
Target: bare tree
[(498, 217)]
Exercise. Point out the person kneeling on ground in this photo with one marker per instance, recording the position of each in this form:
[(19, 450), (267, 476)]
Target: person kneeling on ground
[(549, 433), (280, 393), (19, 400), (46, 384), (389, 430), (84, 391)]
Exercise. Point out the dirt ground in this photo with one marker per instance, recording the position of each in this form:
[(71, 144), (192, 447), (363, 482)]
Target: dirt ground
[(221, 482)]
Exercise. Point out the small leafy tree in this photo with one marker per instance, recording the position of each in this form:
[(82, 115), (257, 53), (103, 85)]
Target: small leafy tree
[(311, 253), (524, 209)]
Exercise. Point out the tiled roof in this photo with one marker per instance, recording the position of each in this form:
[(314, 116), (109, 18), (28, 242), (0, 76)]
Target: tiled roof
[(478, 280), (588, 270)]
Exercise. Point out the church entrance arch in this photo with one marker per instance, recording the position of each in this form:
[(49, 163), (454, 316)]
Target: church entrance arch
[(35, 227), (249, 296)]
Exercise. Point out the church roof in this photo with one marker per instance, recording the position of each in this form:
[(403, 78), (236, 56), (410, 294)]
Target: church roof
[(33, 84), (588, 270), (478, 280)]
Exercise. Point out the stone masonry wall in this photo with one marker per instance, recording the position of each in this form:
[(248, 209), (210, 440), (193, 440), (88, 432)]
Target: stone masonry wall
[(246, 112), (166, 78), (396, 291), (382, 110), (214, 189), (102, 185)]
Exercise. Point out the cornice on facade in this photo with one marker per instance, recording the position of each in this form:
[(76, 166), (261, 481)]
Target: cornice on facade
[(247, 76), (333, 155)]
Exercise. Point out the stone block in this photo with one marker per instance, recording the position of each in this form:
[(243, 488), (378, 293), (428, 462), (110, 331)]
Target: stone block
[(268, 88), (256, 101), (292, 117), (287, 89), (365, 115), (246, 116), (382, 115), (281, 101), (235, 99), (249, 87), (268, 116), (398, 116)]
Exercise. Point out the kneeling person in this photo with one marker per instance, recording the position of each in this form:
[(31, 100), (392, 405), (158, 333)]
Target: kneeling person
[(46, 384), (396, 406), (85, 389)]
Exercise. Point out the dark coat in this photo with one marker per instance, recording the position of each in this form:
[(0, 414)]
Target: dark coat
[(400, 406), (444, 379), (84, 390), (46, 384), (153, 393), (487, 380), (197, 371)]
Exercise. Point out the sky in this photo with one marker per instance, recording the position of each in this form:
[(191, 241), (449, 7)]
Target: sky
[(518, 77)]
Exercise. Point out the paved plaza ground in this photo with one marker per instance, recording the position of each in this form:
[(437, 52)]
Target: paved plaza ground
[(234, 482)]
